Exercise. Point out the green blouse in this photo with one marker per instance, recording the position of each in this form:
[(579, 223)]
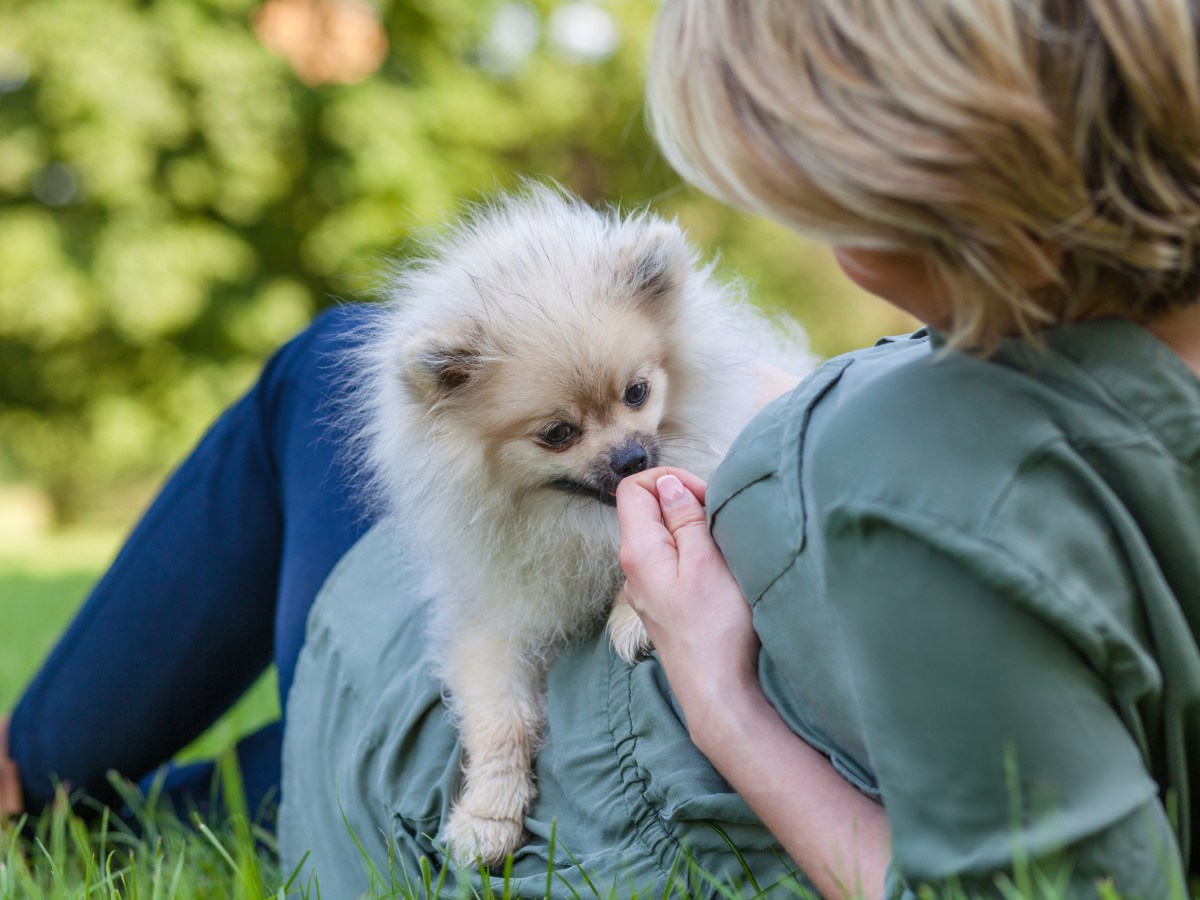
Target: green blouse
[(977, 586)]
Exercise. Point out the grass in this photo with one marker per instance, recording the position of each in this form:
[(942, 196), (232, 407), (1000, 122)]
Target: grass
[(160, 857), (154, 855)]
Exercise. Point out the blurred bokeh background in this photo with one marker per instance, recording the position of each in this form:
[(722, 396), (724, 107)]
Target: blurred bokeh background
[(184, 183)]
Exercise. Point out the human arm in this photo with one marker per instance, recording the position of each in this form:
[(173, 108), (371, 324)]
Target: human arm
[(700, 624)]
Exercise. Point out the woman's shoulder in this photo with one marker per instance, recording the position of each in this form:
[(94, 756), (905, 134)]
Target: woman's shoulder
[(1057, 474), (922, 417), (1091, 419), (903, 421), (956, 436), (777, 434)]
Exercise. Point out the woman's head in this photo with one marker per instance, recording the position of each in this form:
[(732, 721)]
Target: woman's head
[(1009, 143)]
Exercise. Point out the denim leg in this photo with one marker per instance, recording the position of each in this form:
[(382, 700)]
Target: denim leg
[(215, 580), (192, 785)]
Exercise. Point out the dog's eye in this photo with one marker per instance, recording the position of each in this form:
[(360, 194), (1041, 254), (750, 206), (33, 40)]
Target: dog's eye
[(559, 434), (636, 394)]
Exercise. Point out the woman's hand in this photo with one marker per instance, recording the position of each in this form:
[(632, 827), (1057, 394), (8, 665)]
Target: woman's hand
[(11, 802), (678, 583)]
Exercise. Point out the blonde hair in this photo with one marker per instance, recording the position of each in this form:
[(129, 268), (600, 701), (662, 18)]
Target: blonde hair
[(1005, 141)]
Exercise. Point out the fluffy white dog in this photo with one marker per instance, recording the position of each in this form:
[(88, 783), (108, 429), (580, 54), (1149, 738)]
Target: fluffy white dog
[(539, 354)]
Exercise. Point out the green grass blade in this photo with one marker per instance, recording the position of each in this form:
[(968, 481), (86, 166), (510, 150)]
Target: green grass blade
[(669, 888), (586, 878), (375, 874), (173, 891), (550, 856), (212, 839), (733, 848), (296, 871)]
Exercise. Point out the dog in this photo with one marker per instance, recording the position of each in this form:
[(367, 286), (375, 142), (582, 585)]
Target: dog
[(536, 355)]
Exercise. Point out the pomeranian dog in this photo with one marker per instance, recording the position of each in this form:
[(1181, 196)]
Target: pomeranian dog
[(539, 353)]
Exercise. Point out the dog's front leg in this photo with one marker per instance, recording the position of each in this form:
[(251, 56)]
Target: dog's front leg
[(498, 693), (626, 632)]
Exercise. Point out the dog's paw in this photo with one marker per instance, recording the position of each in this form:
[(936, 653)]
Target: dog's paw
[(475, 840), (627, 633)]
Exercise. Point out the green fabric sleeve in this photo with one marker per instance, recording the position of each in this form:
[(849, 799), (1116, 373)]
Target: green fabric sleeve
[(994, 741)]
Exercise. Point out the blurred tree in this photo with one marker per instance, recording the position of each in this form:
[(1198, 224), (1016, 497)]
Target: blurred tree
[(176, 200)]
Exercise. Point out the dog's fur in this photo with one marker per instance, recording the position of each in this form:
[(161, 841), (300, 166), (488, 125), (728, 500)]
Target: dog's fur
[(537, 319)]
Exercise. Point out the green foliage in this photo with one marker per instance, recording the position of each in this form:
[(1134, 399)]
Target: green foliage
[(174, 202)]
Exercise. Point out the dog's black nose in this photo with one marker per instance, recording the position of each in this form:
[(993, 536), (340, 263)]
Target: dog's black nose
[(630, 459)]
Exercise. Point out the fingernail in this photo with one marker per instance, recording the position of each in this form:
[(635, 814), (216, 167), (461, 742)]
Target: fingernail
[(671, 491)]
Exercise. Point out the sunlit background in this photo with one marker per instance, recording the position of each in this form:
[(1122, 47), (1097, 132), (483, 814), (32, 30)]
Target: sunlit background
[(185, 183)]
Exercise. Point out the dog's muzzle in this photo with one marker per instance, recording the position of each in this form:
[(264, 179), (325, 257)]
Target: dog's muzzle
[(635, 454)]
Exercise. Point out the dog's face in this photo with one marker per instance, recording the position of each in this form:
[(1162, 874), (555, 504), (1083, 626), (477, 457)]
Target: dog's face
[(576, 420), (562, 387)]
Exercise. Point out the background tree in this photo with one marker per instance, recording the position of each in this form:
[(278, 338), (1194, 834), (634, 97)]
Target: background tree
[(176, 199)]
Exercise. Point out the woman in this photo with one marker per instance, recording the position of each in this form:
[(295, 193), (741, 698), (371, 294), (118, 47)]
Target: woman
[(968, 554), (978, 568)]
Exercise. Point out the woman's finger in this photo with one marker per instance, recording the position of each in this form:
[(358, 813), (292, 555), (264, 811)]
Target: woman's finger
[(682, 514), (649, 481), (639, 513), (645, 542)]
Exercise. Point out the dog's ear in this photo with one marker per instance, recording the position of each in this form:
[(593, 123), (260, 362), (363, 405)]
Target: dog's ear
[(437, 366), (655, 265)]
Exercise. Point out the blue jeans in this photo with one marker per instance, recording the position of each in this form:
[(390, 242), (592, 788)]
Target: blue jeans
[(214, 582)]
